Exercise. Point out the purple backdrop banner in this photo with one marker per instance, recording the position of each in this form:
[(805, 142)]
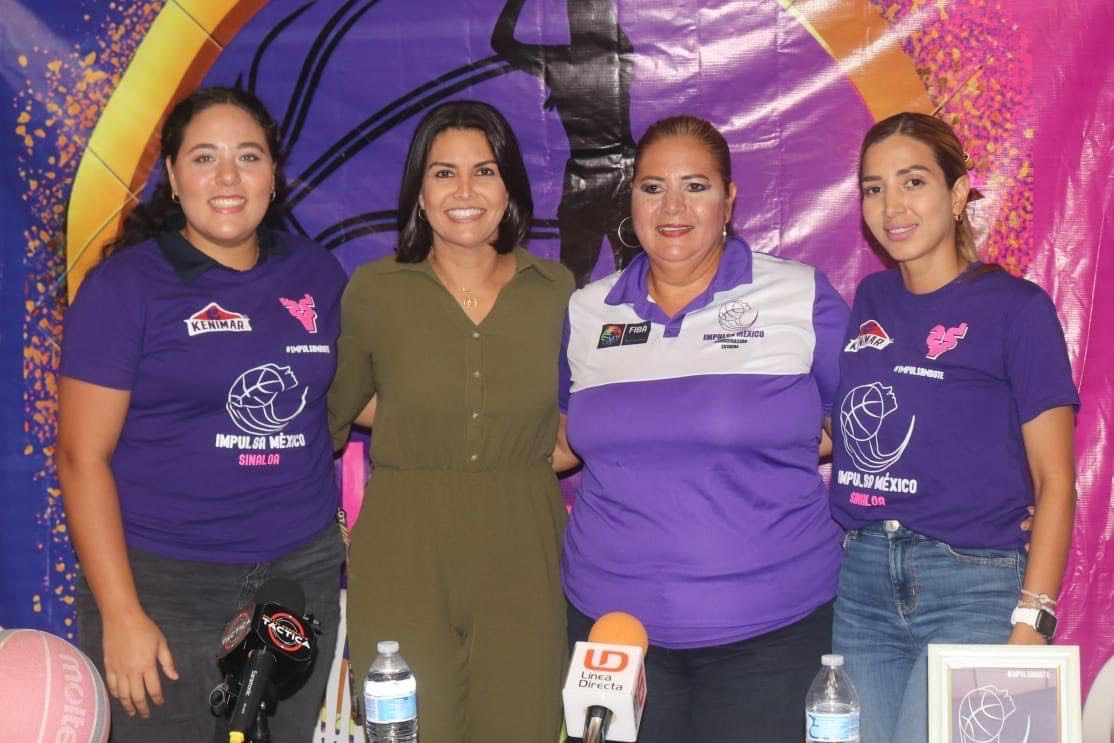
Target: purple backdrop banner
[(793, 86)]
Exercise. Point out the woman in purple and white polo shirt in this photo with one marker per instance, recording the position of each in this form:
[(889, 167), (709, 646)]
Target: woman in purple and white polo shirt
[(695, 383), (956, 413), (194, 451)]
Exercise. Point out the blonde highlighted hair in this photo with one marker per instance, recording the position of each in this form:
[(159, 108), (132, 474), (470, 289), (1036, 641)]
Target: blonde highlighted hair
[(945, 146)]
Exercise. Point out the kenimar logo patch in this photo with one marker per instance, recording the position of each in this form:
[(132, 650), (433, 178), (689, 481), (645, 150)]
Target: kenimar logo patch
[(871, 335), (620, 334), (215, 319)]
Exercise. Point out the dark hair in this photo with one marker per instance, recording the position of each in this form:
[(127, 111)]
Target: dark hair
[(415, 237), (699, 129), (949, 154), (160, 212)]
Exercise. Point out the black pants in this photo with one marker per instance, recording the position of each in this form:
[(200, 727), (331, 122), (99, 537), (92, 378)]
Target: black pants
[(747, 691), (191, 602)]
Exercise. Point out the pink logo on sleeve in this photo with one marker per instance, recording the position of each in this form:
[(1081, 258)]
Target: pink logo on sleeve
[(941, 340), (303, 310)]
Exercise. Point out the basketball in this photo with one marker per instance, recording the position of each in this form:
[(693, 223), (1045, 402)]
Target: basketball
[(863, 409), (51, 690), (982, 714)]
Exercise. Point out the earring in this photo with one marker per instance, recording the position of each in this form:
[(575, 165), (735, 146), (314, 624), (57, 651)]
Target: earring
[(619, 234), (725, 230), (421, 214), (959, 218), (174, 197), (272, 193)]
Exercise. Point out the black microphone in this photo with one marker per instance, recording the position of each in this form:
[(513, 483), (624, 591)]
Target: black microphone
[(267, 651)]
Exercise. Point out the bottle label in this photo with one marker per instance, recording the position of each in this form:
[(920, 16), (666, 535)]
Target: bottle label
[(391, 709), (391, 701), (826, 727)]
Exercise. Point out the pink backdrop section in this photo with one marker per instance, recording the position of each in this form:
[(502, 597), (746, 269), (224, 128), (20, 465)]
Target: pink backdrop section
[(1074, 260)]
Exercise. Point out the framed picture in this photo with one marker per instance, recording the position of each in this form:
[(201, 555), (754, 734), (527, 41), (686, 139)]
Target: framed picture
[(1003, 694)]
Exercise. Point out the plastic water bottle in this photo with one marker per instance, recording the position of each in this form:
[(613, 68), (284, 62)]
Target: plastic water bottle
[(390, 698), (832, 705)]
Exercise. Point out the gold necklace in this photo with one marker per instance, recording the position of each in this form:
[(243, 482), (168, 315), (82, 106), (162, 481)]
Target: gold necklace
[(470, 300)]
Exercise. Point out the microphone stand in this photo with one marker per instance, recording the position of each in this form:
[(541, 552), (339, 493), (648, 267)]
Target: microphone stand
[(260, 730)]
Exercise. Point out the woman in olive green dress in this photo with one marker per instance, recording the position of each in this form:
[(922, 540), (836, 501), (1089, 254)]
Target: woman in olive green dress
[(456, 337)]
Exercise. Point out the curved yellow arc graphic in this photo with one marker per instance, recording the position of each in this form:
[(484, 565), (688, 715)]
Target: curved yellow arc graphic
[(188, 35), (182, 44)]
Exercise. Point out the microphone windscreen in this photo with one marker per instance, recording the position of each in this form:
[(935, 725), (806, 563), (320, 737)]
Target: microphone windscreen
[(284, 592), (619, 628)]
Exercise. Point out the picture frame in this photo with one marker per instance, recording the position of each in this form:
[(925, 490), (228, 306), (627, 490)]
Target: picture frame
[(1004, 694)]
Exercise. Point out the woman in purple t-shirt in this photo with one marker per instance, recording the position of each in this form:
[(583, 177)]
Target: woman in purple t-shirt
[(956, 409), (193, 447)]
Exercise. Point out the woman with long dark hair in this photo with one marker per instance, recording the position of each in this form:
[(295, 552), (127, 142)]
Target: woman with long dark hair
[(193, 449), (456, 337)]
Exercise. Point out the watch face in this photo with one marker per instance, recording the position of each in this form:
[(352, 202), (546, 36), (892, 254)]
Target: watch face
[(1046, 623)]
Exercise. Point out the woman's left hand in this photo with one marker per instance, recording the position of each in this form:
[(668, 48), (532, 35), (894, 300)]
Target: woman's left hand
[(1023, 634)]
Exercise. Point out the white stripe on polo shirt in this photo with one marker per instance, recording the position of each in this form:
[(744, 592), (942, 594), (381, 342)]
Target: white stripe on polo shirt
[(762, 327)]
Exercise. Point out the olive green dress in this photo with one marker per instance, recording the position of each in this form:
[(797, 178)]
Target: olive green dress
[(455, 553)]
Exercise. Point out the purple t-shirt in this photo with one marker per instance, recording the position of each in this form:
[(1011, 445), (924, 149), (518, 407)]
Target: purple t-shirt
[(700, 509), (934, 389), (225, 453)]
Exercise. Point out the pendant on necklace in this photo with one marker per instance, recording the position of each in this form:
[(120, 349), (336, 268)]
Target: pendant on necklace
[(469, 300)]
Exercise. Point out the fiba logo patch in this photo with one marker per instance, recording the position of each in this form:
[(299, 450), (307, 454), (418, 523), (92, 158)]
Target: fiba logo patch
[(736, 315), (862, 416), (255, 398), (982, 714)]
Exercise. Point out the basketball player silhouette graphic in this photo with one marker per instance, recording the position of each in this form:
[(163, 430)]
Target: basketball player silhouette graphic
[(589, 87)]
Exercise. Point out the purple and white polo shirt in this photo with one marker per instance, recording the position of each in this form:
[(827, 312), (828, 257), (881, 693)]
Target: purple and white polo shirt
[(701, 510)]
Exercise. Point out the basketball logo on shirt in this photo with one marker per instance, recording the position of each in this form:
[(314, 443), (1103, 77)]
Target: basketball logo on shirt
[(736, 315), (303, 311), (610, 335), (940, 340), (628, 334), (255, 397), (866, 440)]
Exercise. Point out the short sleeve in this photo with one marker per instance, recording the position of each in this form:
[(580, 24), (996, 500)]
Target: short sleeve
[(353, 384), (829, 324), (102, 337), (564, 372), (1037, 364)]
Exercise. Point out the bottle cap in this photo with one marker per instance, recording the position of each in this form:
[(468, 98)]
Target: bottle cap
[(831, 660), (387, 647)]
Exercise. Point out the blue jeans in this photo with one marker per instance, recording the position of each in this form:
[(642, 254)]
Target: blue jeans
[(750, 691), (191, 602), (899, 591)]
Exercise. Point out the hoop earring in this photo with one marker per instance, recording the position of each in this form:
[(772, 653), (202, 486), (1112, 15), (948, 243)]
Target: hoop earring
[(174, 197), (421, 215), (619, 234)]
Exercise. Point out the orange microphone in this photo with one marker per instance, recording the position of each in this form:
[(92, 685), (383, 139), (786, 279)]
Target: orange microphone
[(605, 690)]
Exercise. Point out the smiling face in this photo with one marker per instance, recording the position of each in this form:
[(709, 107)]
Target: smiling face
[(462, 192), (908, 206), (680, 203), (223, 173)]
